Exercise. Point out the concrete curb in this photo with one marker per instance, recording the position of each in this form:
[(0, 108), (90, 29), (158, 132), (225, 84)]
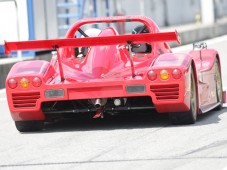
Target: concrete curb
[(201, 33), (192, 33)]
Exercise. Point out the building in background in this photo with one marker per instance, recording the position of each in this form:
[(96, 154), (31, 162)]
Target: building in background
[(46, 19)]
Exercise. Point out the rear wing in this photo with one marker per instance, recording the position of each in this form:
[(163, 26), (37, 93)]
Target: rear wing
[(91, 41)]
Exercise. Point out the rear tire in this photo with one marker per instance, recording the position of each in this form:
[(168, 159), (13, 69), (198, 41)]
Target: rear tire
[(29, 126), (190, 116), (218, 85)]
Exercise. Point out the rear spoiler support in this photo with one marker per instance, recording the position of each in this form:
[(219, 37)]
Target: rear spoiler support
[(60, 65), (130, 59)]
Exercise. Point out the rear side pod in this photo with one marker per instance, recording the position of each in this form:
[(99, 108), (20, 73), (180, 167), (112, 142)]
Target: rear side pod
[(164, 74)]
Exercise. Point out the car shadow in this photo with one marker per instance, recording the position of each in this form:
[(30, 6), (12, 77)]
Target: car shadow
[(211, 117), (138, 120), (123, 121)]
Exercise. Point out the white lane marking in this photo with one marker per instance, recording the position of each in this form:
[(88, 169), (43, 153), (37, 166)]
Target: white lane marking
[(216, 40), (2, 91)]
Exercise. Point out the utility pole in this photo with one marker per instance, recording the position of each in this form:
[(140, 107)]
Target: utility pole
[(165, 8), (207, 11), (216, 9), (142, 7)]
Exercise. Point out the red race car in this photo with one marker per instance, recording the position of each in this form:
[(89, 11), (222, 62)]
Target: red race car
[(98, 72)]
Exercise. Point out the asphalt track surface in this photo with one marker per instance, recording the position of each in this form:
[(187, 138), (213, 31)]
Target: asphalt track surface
[(129, 141)]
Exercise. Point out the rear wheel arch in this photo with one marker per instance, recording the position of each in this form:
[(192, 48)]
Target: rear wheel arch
[(219, 62), (188, 117)]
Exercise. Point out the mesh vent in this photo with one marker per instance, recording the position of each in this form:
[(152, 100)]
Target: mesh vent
[(25, 100), (165, 92)]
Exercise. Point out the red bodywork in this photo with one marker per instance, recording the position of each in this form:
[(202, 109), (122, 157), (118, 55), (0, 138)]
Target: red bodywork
[(109, 71)]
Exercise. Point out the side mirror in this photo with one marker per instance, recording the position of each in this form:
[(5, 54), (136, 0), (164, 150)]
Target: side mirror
[(199, 45)]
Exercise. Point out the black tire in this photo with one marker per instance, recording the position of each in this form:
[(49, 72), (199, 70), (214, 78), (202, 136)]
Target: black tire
[(219, 89), (29, 126), (190, 116)]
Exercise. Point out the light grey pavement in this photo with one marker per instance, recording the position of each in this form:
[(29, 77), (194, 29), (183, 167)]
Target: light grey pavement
[(124, 142)]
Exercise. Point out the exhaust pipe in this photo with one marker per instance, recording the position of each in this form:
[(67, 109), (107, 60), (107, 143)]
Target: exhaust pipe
[(98, 103)]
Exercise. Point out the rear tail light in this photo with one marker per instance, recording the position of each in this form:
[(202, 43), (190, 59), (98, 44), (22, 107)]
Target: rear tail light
[(12, 83), (152, 75), (176, 74), (164, 75), (24, 83), (36, 82)]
